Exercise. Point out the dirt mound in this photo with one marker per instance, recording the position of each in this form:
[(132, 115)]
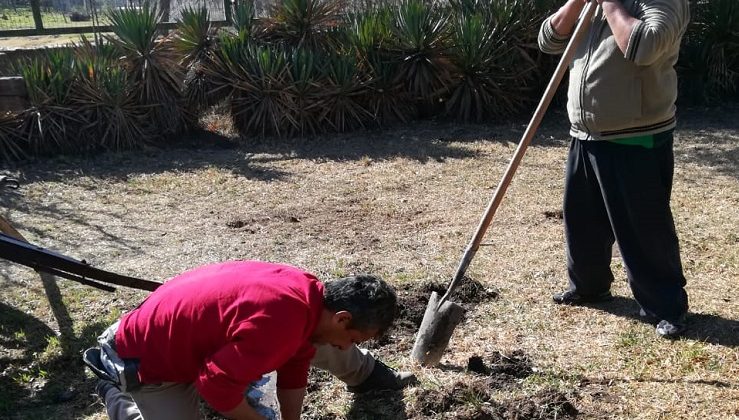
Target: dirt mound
[(473, 401), (553, 214), (515, 364), (412, 302), (468, 291), (412, 299), (430, 402), (546, 404)]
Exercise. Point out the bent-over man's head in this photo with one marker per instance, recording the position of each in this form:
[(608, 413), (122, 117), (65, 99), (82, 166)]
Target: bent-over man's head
[(356, 309)]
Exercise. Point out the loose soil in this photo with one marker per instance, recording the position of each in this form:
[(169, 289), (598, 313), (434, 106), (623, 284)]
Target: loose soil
[(400, 203), (412, 302), (473, 400), (515, 364)]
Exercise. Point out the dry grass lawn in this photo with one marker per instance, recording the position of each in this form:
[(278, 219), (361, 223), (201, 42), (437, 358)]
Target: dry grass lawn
[(401, 203)]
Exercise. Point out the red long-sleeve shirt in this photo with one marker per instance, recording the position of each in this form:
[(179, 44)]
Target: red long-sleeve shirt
[(223, 326)]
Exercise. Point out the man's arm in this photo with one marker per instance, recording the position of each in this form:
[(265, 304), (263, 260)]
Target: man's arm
[(564, 20), (291, 402), (621, 22), (244, 411), (556, 30), (654, 32)]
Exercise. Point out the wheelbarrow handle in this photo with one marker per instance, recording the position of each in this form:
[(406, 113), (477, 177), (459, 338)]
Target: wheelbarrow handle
[(551, 90)]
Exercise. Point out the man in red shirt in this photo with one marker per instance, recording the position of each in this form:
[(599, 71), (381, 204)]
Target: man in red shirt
[(210, 332)]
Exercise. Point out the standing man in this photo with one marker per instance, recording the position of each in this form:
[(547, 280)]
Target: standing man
[(621, 107), (210, 332)]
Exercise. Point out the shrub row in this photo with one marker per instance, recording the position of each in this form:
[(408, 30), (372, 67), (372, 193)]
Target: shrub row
[(312, 66)]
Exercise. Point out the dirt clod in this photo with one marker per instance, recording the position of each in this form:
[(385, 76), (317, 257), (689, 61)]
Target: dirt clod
[(412, 300), (473, 401), (475, 364), (554, 214), (515, 364), (468, 291), (430, 402), (236, 224), (546, 404)]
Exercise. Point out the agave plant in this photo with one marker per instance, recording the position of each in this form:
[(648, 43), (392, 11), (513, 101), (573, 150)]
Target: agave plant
[(194, 41), (11, 147), (153, 64), (106, 98), (491, 74), (225, 67), (243, 13), (420, 34), (261, 98), (307, 88), (709, 59), (492, 48), (305, 23), (49, 125), (370, 35), (344, 109)]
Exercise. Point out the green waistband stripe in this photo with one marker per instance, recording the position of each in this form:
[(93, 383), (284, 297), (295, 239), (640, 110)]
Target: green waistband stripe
[(643, 141)]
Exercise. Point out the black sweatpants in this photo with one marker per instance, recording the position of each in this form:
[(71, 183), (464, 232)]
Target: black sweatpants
[(622, 193)]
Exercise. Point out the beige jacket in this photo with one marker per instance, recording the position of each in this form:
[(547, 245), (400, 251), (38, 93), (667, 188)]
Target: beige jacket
[(613, 95)]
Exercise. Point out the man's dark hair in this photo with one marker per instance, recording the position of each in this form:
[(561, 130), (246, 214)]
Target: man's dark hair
[(371, 301)]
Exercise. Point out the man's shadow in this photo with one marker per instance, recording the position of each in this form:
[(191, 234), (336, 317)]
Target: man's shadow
[(708, 328), (60, 375), (378, 405)]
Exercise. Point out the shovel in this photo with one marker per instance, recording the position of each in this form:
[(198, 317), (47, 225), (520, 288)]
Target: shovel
[(443, 315)]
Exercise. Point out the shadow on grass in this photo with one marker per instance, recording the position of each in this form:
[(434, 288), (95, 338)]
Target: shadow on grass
[(708, 328), (608, 381), (42, 375), (13, 201), (378, 405)]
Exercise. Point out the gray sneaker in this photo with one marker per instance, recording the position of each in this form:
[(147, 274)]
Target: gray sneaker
[(667, 329)]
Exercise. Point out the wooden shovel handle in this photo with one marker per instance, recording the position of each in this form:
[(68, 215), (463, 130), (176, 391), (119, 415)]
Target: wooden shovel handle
[(528, 135)]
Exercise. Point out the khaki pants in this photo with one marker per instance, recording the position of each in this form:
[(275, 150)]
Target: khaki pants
[(178, 401)]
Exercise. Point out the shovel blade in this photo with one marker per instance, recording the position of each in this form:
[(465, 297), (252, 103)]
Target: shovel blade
[(436, 329)]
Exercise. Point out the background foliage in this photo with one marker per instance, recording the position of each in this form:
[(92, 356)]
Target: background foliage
[(316, 66)]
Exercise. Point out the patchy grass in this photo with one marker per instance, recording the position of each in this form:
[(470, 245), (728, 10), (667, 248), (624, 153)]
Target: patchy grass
[(400, 203)]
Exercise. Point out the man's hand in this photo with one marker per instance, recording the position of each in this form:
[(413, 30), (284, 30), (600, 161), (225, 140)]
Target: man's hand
[(291, 402), (243, 411)]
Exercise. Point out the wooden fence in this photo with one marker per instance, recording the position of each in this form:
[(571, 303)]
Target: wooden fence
[(164, 6)]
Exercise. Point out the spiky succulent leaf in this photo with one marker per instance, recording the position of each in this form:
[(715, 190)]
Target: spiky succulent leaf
[(420, 34), (193, 38), (344, 96), (49, 125), (493, 68), (106, 98), (11, 144), (305, 23), (153, 64), (709, 58), (371, 35), (307, 88), (261, 101), (243, 13)]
